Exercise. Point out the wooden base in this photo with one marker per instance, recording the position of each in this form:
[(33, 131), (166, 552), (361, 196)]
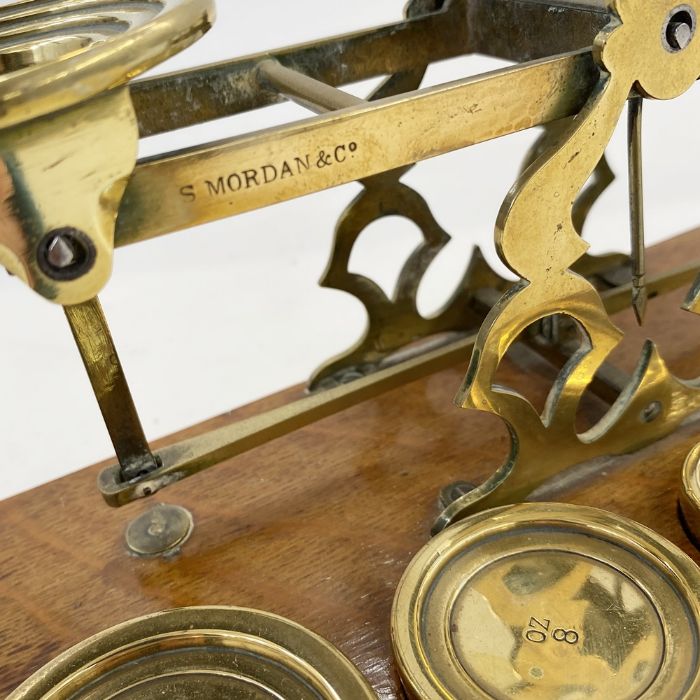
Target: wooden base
[(317, 526)]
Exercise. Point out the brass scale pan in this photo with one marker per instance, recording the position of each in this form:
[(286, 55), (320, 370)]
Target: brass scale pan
[(532, 601)]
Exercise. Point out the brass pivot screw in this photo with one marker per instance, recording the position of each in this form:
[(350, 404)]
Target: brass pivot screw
[(679, 35), (65, 254), (680, 29)]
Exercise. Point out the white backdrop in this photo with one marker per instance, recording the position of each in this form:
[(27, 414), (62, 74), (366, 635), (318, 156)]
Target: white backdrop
[(214, 317)]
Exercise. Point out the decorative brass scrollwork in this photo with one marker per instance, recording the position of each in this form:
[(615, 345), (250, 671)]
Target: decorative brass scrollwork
[(394, 323), (537, 239)]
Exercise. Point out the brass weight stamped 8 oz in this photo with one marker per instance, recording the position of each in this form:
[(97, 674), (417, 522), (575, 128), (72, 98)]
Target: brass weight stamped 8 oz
[(546, 602)]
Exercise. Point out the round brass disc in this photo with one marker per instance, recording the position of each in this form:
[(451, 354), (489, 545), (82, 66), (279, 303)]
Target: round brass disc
[(205, 653), (544, 601), (56, 53), (160, 531)]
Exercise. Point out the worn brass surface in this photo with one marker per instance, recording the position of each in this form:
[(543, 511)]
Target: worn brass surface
[(393, 323), (57, 172), (518, 30), (200, 653), (376, 142), (106, 374), (602, 177), (172, 101), (536, 238), (549, 601), (396, 322), (205, 183), (68, 131), (183, 459), (176, 191)]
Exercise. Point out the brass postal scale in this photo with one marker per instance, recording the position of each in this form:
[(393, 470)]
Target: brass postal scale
[(362, 536)]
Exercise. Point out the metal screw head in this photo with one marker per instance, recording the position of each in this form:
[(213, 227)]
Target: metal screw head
[(65, 254), (651, 412), (679, 35), (61, 253), (679, 29)]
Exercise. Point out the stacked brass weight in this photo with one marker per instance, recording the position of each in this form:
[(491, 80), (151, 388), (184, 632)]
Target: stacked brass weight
[(546, 602), (212, 653)]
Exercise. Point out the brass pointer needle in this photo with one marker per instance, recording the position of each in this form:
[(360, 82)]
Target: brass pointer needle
[(636, 194)]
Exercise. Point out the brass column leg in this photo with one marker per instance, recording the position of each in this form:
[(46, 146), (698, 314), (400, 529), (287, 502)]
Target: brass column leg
[(106, 374)]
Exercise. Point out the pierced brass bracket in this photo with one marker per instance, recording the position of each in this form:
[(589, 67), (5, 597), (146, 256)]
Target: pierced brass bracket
[(536, 238), (69, 132), (59, 240), (395, 323)]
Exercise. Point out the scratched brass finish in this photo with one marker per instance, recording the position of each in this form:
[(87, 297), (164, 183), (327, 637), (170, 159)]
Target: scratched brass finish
[(396, 322), (392, 323), (68, 136), (184, 459), (548, 601), (213, 181), (176, 191), (536, 238), (96, 347), (215, 653), (517, 30), (601, 179), (56, 172), (114, 200), (159, 532)]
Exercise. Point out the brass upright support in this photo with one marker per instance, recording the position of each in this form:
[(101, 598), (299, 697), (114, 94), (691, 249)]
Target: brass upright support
[(94, 341), (648, 47)]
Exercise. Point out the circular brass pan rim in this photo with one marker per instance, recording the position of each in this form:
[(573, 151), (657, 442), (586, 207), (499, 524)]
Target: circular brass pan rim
[(333, 668), (45, 88), (649, 545), (690, 493)]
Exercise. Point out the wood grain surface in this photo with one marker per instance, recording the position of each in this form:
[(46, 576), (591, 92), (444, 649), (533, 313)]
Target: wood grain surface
[(317, 526)]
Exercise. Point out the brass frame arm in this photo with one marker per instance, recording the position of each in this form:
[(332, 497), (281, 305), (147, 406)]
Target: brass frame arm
[(206, 183), (189, 457)]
